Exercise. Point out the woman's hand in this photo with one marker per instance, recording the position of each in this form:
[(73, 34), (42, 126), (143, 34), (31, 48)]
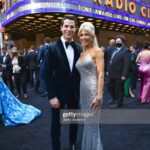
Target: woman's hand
[(96, 104)]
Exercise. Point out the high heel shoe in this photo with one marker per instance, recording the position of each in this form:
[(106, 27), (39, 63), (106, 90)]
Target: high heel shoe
[(131, 93)]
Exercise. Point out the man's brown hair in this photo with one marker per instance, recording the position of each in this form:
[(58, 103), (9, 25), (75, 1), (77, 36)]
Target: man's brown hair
[(69, 18)]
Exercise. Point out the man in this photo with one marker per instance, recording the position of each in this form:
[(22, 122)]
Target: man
[(31, 59), (6, 65), (118, 71), (63, 79), (41, 61), (108, 52)]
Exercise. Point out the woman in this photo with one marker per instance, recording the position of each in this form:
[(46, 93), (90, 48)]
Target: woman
[(91, 68), (13, 111), (144, 73), (19, 73), (130, 83)]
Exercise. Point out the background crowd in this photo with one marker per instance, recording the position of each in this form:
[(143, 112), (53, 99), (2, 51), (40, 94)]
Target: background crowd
[(72, 76), (21, 69)]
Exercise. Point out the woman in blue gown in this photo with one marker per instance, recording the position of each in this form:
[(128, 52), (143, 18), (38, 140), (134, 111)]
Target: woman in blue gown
[(13, 111)]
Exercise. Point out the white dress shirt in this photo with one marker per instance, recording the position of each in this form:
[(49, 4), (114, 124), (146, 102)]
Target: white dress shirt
[(69, 52), (4, 58)]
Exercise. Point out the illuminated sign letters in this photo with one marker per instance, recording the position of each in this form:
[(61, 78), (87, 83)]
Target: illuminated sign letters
[(126, 5), (123, 11)]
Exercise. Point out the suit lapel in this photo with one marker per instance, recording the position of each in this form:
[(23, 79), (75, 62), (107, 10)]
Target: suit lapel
[(6, 59), (76, 54), (119, 52), (62, 50)]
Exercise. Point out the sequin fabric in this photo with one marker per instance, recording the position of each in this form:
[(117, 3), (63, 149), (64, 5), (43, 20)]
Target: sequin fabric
[(91, 139), (144, 74), (13, 111)]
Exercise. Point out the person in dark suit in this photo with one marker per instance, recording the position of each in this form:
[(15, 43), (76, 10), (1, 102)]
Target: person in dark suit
[(41, 62), (118, 71), (6, 65), (32, 64), (108, 53), (63, 79), (19, 73)]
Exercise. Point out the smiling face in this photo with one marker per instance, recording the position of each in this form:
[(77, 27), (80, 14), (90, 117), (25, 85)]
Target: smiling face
[(86, 39), (68, 29)]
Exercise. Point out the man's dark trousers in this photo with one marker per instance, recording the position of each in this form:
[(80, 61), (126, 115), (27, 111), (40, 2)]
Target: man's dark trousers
[(56, 126)]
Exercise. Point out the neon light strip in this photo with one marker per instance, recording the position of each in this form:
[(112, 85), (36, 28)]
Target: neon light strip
[(43, 7)]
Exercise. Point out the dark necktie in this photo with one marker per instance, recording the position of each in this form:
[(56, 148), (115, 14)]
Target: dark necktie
[(69, 43)]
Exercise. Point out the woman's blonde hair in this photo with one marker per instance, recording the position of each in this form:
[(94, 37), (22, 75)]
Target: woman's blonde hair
[(89, 27)]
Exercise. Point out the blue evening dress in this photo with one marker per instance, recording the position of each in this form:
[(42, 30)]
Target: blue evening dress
[(13, 111)]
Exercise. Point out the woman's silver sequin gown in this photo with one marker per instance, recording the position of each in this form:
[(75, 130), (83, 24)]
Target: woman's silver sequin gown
[(88, 90)]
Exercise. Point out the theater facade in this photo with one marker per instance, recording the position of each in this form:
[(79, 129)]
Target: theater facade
[(29, 21)]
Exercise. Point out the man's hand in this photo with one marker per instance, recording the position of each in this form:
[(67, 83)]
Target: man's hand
[(54, 102), (123, 78)]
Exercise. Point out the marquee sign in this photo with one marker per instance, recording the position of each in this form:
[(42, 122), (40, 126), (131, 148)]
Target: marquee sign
[(131, 12), (128, 6)]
